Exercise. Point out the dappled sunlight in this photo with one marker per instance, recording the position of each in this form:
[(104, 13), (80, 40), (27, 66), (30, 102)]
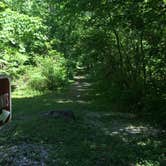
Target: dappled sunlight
[(95, 131), (17, 133), (80, 77), (131, 130), (87, 83), (83, 102), (83, 85), (121, 125), (61, 101)]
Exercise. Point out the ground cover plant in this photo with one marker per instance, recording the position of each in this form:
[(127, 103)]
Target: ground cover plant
[(104, 60), (94, 138)]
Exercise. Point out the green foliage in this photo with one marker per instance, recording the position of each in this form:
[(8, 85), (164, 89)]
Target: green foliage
[(12, 62), (123, 45), (3, 6), (49, 74), (20, 31), (21, 38), (96, 138), (35, 80), (120, 43)]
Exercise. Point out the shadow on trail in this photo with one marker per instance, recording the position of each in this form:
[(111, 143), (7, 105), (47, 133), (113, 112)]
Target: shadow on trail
[(95, 138), (74, 98)]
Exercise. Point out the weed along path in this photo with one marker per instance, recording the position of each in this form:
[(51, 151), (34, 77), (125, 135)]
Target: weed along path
[(97, 137)]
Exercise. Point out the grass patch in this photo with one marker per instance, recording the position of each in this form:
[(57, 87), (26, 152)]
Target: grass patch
[(96, 138)]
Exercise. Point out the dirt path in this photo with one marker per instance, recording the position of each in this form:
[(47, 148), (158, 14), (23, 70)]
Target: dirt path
[(120, 122), (99, 138)]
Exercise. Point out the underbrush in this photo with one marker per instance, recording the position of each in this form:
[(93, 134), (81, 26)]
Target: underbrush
[(49, 74), (90, 140), (145, 103)]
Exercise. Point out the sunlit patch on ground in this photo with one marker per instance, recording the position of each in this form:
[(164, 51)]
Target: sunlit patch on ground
[(97, 137)]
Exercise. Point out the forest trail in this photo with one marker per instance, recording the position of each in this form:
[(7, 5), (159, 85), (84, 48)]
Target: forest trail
[(86, 121), (121, 122), (97, 137)]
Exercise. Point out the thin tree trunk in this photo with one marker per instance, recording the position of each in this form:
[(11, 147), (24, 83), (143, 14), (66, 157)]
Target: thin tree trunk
[(119, 48), (143, 59)]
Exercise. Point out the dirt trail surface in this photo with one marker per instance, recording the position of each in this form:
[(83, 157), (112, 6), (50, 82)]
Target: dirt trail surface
[(98, 137)]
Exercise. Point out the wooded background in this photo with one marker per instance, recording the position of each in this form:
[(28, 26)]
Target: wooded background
[(120, 44)]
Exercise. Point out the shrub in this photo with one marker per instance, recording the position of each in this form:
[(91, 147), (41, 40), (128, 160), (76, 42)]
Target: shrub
[(36, 80), (49, 74), (12, 63), (20, 31)]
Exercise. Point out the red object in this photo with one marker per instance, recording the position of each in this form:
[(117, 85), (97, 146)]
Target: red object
[(5, 100)]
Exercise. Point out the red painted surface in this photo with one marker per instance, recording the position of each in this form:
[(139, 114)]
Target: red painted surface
[(5, 88)]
